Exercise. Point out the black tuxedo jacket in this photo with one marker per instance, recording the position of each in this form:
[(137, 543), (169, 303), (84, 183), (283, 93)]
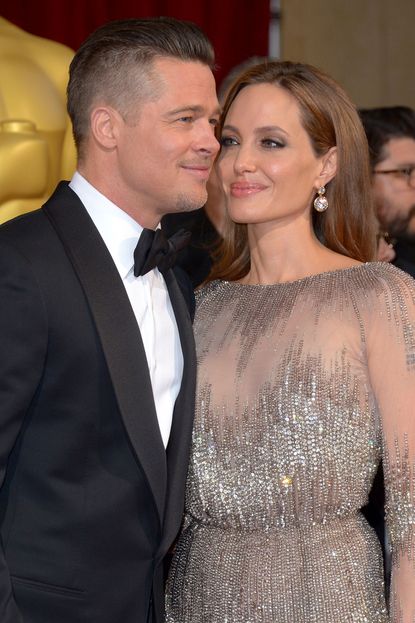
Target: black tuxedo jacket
[(90, 500)]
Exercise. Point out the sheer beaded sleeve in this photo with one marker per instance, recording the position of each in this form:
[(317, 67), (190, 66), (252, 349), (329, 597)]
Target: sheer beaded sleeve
[(391, 359)]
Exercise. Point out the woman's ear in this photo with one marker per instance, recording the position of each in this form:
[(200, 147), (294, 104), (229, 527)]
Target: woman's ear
[(328, 167), (103, 126)]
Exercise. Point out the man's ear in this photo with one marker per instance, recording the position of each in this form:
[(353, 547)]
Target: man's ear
[(104, 120), (328, 167)]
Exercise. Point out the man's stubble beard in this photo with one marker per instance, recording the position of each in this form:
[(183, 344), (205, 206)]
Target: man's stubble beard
[(409, 233), (186, 203), (398, 227)]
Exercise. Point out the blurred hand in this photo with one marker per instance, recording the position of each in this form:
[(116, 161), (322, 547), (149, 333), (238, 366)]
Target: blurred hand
[(386, 252)]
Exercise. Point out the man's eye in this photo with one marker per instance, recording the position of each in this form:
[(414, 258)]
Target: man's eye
[(186, 119), (214, 122)]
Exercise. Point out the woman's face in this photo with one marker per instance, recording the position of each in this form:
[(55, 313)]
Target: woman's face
[(267, 166)]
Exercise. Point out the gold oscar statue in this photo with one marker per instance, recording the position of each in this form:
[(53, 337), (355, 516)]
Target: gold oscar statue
[(36, 145)]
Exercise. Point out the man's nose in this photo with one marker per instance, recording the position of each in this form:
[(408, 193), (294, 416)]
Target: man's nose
[(207, 140)]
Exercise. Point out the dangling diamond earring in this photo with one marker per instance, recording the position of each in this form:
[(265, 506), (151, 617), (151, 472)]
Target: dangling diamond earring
[(320, 203)]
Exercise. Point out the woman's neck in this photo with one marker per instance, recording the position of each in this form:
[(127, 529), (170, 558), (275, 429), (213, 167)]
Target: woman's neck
[(288, 253)]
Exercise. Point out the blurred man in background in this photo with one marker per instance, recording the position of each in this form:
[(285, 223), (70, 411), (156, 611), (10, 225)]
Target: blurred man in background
[(391, 135)]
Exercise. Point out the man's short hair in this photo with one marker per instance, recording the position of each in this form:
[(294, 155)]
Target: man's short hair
[(383, 124), (114, 64)]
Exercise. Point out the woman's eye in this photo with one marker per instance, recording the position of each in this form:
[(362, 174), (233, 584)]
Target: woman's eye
[(228, 141), (272, 143)]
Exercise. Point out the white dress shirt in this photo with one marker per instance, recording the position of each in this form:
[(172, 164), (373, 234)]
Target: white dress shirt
[(148, 296)]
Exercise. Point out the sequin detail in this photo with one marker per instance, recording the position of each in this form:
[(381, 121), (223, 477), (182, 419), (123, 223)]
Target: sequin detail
[(400, 502), (292, 419)]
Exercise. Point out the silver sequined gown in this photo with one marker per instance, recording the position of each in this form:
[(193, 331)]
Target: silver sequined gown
[(302, 388)]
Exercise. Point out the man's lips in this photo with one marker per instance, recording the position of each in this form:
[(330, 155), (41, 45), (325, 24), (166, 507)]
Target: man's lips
[(201, 171), (245, 189)]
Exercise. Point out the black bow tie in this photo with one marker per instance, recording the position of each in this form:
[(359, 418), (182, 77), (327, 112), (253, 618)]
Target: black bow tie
[(155, 250)]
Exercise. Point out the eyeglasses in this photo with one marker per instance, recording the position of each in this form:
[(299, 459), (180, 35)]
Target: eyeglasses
[(406, 173)]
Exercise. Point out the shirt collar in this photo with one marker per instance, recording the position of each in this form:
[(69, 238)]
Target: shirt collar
[(118, 230)]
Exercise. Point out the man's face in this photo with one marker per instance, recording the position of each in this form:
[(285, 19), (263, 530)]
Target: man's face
[(167, 147), (394, 196)]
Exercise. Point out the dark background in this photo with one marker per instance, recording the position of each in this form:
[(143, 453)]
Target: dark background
[(237, 28)]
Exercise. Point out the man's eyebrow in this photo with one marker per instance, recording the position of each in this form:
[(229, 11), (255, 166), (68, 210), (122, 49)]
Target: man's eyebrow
[(195, 109)]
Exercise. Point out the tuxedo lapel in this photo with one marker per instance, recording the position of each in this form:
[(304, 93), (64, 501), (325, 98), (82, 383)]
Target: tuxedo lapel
[(180, 436), (118, 331)]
